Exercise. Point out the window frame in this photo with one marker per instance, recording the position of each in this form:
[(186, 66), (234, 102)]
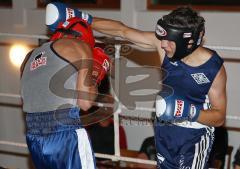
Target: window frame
[(7, 4), (100, 4), (206, 7)]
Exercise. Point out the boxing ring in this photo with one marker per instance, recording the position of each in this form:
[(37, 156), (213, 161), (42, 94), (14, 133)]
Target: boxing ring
[(117, 112)]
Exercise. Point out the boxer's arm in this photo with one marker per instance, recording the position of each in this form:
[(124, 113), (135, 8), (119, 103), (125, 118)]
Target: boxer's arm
[(76, 52), (85, 84), (56, 13), (140, 38), (24, 62), (87, 92), (218, 99), (116, 28)]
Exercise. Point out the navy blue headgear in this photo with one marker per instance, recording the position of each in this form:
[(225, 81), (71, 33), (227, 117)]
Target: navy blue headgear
[(181, 36)]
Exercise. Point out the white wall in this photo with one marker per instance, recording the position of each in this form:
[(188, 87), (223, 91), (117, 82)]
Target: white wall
[(221, 29)]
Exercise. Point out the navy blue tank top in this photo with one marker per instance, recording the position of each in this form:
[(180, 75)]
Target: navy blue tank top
[(193, 82)]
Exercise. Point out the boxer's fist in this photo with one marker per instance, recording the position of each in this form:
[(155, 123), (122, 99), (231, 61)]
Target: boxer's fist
[(57, 12), (176, 108), (101, 65)]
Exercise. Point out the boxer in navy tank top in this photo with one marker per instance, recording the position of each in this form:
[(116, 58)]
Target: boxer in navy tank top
[(193, 97)]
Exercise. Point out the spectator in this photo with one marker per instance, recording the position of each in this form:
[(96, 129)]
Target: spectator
[(102, 136), (102, 132), (148, 150)]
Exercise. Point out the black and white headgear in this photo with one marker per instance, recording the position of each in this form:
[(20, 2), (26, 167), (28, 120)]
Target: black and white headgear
[(181, 36)]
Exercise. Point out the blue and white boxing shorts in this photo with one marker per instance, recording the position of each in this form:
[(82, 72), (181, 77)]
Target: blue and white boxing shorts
[(56, 140), (182, 147)]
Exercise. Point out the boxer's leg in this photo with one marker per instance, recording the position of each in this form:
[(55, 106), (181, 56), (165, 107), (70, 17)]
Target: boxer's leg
[(69, 149), (35, 149), (195, 152), (181, 147)]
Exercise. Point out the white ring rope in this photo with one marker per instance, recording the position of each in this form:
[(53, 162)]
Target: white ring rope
[(9, 143), (29, 36), (24, 36), (99, 155), (15, 96), (127, 159), (116, 114), (232, 48), (229, 117), (18, 97)]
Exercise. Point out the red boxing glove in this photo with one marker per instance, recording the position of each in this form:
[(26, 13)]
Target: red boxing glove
[(101, 65)]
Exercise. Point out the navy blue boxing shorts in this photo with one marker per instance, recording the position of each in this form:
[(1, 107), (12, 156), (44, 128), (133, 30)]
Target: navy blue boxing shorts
[(56, 140), (182, 147)]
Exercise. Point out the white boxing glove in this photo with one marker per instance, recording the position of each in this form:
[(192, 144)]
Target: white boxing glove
[(57, 12), (175, 108)]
